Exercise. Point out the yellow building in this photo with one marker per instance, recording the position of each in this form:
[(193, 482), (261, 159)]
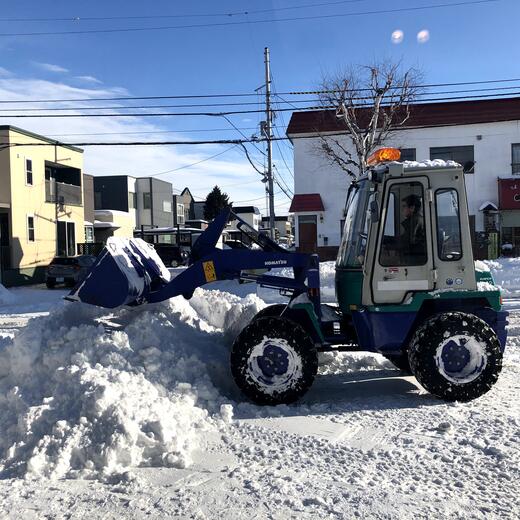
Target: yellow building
[(41, 203)]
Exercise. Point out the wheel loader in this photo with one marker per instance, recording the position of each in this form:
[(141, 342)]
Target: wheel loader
[(406, 287)]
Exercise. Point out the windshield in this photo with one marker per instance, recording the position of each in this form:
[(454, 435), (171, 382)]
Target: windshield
[(354, 240)]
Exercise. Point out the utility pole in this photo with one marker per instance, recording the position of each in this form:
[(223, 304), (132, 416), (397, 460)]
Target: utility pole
[(268, 136)]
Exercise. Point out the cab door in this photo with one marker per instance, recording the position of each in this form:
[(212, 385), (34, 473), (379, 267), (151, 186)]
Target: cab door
[(403, 260)]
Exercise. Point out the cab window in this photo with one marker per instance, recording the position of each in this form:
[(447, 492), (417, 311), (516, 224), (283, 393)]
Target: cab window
[(354, 240), (449, 244), (404, 236)]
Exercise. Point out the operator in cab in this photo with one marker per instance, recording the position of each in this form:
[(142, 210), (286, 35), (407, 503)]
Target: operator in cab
[(412, 241)]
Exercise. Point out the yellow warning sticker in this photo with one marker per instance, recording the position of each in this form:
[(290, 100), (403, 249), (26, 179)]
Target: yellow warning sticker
[(209, 271)]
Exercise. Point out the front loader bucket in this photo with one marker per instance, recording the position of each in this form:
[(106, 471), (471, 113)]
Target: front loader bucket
[(124, 273)]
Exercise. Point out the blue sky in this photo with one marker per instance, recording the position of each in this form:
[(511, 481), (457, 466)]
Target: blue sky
[(467, 43)]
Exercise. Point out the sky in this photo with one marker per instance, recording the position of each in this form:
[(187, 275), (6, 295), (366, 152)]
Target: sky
[(451, 43)]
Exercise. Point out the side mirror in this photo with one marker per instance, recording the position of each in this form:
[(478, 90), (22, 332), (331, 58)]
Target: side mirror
[(374, 211)]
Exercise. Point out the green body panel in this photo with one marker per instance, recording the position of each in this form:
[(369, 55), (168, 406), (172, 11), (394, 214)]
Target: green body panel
[(349, 287), (415, 303), (309, 309), (349, 284)]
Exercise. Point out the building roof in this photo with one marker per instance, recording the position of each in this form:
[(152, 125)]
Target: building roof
[(245, 209), (422, 115), (306, 202), (40, 137)]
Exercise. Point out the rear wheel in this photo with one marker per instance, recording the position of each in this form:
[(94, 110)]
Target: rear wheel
[(456, 356), (274, 361), (50, 283)]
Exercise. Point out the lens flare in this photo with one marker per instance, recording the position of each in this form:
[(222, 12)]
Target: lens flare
[(423, 36), (397, 36)]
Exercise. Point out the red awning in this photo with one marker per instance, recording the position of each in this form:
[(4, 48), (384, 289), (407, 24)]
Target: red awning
[(306, 202)]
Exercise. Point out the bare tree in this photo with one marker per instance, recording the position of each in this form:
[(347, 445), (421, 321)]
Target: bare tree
[(373, 102)]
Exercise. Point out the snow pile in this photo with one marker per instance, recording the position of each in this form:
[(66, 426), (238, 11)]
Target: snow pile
[(6, 296), (506, 274), (327, 281), (77, 400), (345, 362), (436, 163)]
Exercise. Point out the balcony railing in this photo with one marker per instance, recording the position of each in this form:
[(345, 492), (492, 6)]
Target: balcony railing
[(68, 194)]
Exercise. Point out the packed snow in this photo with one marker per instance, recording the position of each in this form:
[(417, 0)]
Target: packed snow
[(435, 163), (133, 413)]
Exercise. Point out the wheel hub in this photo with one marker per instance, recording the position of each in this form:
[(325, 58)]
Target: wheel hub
[(274, 361), (455, 355), (274, 365), (461, 359)]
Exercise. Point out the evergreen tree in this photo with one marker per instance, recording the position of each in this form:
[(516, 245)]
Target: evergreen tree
[(216, 201)]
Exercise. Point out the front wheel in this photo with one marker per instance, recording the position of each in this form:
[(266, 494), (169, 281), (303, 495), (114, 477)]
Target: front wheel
[(456, 356), (274, 361)]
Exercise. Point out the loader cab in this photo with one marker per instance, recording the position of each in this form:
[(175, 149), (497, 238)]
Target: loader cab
[(406, 232)]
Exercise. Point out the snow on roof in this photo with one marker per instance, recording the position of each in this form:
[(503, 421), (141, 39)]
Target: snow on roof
[(111, 212), (436, 163), (87, 223), (105, 225), (488, 205)]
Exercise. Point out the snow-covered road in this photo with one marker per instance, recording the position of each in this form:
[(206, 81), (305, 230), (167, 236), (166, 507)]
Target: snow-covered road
[(150, 431)]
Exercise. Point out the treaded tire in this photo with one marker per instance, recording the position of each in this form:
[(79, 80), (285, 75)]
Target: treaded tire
[(257, 337), (271, 310), (428, 365), (401, 362), (50, 283)]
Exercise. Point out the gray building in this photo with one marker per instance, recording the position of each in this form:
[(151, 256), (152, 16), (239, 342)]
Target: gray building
[(182, 205), (154, 203), (88, 207), (115, 192), (147, 200)]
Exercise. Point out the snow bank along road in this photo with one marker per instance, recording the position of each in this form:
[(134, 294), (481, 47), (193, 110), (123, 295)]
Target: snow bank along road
[(133, 414)]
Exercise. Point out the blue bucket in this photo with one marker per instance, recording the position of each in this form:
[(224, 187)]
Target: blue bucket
[(124, 273)]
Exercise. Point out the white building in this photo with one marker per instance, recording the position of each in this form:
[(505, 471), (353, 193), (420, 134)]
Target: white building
[(250, 214), (484, 136)]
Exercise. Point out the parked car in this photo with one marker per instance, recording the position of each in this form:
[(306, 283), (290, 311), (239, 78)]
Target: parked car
[(68, 270)]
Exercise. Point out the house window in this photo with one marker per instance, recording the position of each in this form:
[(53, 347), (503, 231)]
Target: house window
[(28, 172), (132, 200), (180, 214), (464, 155), (515, 164), (66, 245), (408, 154), (89, 234), (167, 206), (30, 228), (147, 200)]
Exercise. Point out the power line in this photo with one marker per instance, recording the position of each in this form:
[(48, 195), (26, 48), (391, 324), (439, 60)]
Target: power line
[(192, 164), (265, 21), (157, 132), (245, 103), (234, 112), (231, 95), (77, 19), (253, 200)]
